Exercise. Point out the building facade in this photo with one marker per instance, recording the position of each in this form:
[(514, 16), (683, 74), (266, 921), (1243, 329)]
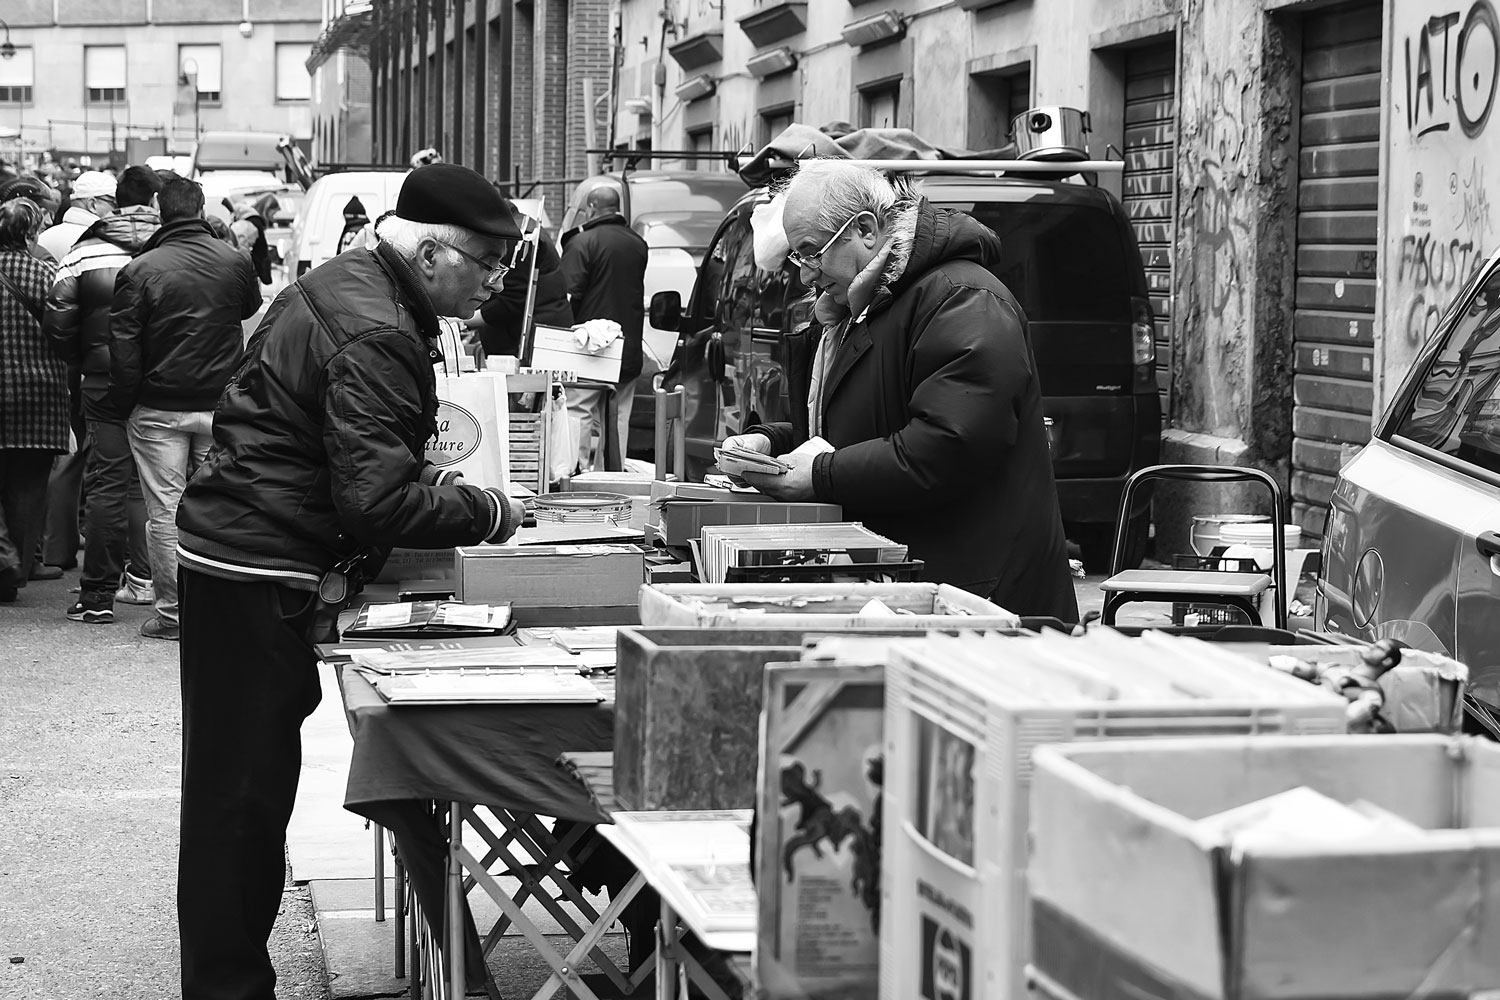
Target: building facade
[(517, 90), (1307, 178), (342, 121), (89, 78)]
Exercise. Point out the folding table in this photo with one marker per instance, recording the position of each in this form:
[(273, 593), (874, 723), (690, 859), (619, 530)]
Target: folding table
[(424, 772)]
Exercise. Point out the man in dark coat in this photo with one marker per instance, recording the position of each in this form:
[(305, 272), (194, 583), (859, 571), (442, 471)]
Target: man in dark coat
[(500, 319), (174, 340), (604, 265), (924, 384), (317, 469)]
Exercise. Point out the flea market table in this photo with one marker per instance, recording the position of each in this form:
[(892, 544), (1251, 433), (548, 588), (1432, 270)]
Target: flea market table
[(425, 772)]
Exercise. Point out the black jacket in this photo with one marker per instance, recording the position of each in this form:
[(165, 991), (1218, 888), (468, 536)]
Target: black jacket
[(604, 264), (319, 439), (502, 314), (934, 407), (79, 304), (175, 333)]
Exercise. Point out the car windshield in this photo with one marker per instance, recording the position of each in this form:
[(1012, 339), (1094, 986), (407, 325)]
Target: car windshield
[(1064, 263), (688, 230)]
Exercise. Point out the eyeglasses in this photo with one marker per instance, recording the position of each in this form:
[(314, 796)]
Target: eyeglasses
[(814, 260), (493, 271)]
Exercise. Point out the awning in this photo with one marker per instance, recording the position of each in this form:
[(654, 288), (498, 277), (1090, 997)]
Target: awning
[(350, 30)]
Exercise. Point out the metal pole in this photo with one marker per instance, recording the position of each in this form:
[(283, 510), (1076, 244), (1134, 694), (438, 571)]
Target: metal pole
[(453, 923), (439, 72), (503, 120), (460, 42), (423, 83), (481, 86)]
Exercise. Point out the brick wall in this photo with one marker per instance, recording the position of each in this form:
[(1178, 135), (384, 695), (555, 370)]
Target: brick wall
[(497, 66), (588, 58), (549, 158)]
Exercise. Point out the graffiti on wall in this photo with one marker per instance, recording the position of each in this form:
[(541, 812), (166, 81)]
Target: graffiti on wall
[(1223, 229), (1442, 223)]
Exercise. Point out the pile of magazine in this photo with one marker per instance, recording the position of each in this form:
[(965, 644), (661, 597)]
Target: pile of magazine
[(542, 675), (768, 546)]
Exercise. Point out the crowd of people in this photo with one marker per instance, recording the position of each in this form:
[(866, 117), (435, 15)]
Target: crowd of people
[(108, 278)]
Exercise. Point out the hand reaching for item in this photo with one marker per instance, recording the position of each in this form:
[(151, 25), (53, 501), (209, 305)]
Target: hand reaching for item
[(749, 442)]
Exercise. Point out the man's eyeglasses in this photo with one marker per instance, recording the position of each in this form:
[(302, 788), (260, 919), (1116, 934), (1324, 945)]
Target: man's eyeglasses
[(814, 260), (497, 270)]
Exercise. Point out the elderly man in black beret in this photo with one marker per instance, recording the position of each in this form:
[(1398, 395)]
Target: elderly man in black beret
[(316, 472)]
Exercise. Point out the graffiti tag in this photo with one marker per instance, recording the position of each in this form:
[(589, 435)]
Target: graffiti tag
[(1452, 71)]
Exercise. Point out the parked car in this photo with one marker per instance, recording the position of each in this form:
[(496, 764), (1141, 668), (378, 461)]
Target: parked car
[(677, 212), (315, 234), (1411, 549), (1070, 257)]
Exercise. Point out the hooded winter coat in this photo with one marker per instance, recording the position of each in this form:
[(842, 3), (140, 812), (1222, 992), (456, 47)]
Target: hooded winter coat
[(78, 305), (933, 405)]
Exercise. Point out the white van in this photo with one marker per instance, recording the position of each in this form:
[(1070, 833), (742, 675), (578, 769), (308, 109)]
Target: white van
[(315, 235)]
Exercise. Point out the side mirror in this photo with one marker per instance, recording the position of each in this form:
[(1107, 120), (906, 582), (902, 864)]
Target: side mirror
[(713, 354), (666, 310), (283, 218)]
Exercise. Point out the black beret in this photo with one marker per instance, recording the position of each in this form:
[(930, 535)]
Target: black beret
[(450, 194)]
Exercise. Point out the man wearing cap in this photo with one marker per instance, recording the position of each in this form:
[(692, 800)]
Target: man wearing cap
[(316, 472), (92, 198)]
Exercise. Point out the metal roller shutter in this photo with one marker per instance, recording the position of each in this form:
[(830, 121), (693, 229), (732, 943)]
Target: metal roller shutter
[(1150, 155), (1338, 180)]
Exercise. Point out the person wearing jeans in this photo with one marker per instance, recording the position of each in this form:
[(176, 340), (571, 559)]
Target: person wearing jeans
[(168, 445), (174, 342)]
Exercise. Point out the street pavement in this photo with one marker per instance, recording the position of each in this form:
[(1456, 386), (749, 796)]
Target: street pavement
[(90, 739)]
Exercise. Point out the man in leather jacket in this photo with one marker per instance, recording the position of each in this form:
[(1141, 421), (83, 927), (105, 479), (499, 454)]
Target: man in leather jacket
[(317, 462)]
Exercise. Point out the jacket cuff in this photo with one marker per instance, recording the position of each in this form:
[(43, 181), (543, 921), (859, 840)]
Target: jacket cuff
[(822, 477), (501, 527), (431, 475)]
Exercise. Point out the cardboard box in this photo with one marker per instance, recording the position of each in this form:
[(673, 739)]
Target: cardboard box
[(556, 350), (418, 564), (624, 483), (571, 578), (790, 605), (1131, 897), (819, 888)]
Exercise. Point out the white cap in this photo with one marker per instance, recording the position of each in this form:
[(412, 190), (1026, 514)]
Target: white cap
[(93, 184)]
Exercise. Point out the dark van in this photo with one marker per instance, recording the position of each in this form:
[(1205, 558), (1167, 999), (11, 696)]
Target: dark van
[(1070, 257)]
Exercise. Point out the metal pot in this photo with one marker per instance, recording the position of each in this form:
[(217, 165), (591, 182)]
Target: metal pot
[(1051, 133)]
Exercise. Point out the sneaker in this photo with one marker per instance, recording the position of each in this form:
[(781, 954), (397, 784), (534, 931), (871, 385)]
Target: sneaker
[(134, 590), (81, 612), (156, 628)]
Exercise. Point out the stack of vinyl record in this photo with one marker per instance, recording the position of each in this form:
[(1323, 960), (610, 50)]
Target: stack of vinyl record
[(766, 547)]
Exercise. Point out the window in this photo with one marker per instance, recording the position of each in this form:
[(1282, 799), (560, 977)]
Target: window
[(995, 99), (701, 141), (878, 106), (773, 122), (1456, 408), (202, 67), (16, 77), (104, 74), (292, 80)]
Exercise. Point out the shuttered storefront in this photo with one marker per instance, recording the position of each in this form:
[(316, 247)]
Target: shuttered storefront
[(1150, 154), (1338, 178)]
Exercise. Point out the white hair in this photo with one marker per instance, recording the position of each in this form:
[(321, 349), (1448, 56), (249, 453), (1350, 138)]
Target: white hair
[(404, 235), (844, 189)]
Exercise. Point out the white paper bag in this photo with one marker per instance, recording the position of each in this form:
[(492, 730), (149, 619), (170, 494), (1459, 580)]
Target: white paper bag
[(473, 437)]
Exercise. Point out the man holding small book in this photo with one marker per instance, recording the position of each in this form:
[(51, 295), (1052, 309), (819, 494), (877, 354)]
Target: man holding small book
[(915, 399)]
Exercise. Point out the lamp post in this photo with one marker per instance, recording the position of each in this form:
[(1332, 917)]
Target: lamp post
[(189, 78), (7, 50)]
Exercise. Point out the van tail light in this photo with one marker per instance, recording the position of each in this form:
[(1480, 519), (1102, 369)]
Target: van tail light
[(1143, 344), (302, 266)]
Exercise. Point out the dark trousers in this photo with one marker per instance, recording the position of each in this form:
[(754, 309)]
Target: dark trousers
[(114, 514), (23, 510), (249, 678), (64, 489)]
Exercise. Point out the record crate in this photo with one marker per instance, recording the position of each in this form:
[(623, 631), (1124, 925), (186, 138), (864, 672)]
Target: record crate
[(963, 716)]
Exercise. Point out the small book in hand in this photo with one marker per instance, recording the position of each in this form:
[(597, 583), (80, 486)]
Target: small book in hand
[(430, 619), (736, 461)]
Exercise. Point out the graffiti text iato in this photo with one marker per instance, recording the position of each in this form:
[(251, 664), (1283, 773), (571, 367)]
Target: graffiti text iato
[(1452, 68)]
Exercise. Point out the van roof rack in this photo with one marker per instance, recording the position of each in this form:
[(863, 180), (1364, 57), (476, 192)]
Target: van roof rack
[(983, 168), (632, 157), (343, 168)]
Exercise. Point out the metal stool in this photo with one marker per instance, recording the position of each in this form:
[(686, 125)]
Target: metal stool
[(1237, 590)]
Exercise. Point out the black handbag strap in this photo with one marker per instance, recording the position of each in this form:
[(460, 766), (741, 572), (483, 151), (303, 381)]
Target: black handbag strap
[(10, 286)]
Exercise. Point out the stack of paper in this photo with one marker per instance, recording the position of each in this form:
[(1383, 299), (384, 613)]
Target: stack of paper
[(1304, 816), (745, 546), (529, 687), (698, 861)]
